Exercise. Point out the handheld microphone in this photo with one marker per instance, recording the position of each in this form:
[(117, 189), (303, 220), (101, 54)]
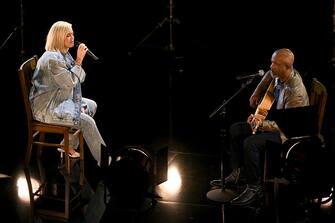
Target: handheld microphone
[(260, 73), (89, 52)]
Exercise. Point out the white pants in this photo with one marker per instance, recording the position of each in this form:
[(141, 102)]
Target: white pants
[(90, 130)]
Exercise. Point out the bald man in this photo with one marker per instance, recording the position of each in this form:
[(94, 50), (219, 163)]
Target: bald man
[(283, 88)]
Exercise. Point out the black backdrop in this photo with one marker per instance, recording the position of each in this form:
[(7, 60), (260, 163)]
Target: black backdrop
[(214, 42)]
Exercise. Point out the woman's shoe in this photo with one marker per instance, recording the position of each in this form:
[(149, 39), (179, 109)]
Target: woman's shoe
[(73, 155), (60, 150)]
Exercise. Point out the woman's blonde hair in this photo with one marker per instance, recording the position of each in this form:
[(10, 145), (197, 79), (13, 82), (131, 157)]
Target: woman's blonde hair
[(56, 36)]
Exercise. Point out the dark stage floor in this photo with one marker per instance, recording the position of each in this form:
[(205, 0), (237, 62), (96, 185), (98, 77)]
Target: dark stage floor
[(192, 163)]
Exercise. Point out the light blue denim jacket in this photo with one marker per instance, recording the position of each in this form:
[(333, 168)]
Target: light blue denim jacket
[(55, 95)]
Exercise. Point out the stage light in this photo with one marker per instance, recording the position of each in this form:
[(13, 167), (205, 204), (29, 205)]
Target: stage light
[(22, 188), (172, 186)]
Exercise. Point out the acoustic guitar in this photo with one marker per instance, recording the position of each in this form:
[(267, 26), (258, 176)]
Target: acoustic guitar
[(263, 107)]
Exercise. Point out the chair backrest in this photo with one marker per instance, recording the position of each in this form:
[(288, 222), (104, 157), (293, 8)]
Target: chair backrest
[(318, 97), (26, 71)]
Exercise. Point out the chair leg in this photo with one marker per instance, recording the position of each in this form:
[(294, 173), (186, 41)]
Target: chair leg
[(82, 169), (39, 159), (276, 199), (67, 195), (31, 195)]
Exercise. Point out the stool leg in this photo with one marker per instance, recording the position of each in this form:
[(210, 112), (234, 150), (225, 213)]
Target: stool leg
[(82, 170), (67, 187)]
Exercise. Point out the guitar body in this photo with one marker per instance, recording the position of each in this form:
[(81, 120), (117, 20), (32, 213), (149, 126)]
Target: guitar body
[(263, 107)]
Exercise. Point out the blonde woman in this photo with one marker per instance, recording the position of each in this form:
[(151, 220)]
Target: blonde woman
[(56, 95)]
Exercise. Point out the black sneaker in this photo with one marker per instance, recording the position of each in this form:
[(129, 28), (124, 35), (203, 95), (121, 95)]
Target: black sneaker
[(250, 194), (231, 179), (216, 183)]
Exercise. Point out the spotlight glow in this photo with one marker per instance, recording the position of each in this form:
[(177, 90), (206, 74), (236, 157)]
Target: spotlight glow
[(326, 202), (22, 186), (172, 186), (326, 205)]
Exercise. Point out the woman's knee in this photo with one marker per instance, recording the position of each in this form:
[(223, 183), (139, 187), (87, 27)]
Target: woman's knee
[(91, 106), (87, 121)]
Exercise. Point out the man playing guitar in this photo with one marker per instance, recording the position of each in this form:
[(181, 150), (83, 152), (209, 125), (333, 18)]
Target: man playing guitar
[(282, 87)]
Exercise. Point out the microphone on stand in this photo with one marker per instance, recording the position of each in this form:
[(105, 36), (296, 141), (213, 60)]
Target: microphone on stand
[(77, 43), (260, 73)]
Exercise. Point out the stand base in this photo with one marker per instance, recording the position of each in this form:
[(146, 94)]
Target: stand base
[(222, 195)]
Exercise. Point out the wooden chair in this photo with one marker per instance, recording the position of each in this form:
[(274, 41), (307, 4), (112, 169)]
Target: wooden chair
[(40, 136), (318, 97), (292, 152)]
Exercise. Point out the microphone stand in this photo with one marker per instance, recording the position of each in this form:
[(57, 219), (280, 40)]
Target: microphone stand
[(175, 66), (9, 36), (224, 194), (17, 28), (22, 52), (171, 21)]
